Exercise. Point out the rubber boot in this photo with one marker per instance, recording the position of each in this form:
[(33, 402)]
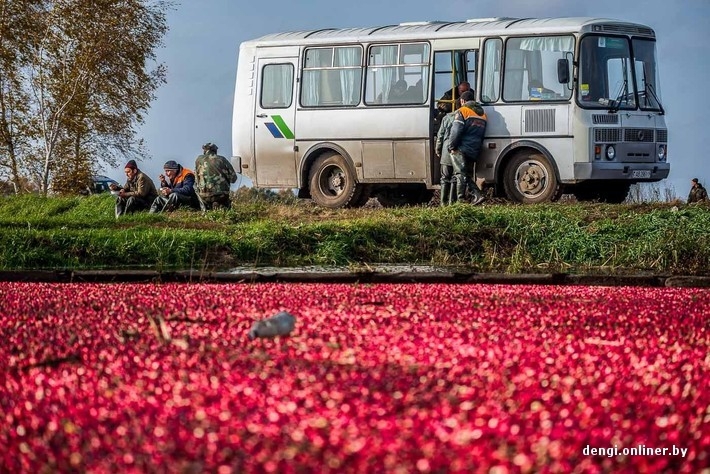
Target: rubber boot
[(461, 185), (476, 196), (453, 194), (445, 193)]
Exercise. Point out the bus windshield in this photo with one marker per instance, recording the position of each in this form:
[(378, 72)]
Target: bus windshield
[(647, 83), (611, 78)]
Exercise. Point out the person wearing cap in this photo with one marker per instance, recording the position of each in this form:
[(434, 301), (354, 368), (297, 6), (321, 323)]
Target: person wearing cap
[(213, 177), (137, 194), (448, 103), (465, 143), (177, 188), (697, 192)]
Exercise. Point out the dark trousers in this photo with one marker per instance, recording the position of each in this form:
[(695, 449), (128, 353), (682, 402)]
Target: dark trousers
[(448, 186), (131, 204), (215, 201), (463, 176), (172, 201)]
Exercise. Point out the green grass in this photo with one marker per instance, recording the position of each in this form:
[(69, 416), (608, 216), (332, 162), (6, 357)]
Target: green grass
[(82, 233)]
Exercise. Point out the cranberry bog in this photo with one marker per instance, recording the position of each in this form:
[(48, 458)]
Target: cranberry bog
[(378, 378)]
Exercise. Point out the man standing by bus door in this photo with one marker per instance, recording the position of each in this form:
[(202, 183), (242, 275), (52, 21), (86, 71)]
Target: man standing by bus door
[(466, 140), (448, 185)]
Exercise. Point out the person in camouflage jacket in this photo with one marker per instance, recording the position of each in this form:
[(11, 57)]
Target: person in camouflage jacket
[(697, 192), (213, 176)]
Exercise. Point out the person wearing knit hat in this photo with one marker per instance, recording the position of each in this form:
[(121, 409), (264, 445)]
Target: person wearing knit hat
[(177, 188), (171, 165), (137, 194)]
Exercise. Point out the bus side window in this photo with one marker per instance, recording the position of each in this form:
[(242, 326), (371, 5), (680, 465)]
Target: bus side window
[(490, 79), (396, 74), (332, 76), (277, 86)]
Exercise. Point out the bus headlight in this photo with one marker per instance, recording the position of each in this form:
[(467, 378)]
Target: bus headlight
[(610, 152), (662, 153)]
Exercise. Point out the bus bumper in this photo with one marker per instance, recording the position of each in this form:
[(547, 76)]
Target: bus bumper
[(637, 172)]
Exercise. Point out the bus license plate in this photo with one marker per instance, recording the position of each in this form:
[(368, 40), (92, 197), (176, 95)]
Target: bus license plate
[(642, 174)]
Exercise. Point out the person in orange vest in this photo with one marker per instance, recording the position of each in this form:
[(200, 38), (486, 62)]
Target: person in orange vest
[(465, 143), (177, 188)]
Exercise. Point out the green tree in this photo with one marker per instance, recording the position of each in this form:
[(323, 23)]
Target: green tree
[(91, 80), (17, 126)]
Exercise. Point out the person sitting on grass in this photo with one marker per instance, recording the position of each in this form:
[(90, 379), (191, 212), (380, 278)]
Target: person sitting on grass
[(137, 194), (177, 189)]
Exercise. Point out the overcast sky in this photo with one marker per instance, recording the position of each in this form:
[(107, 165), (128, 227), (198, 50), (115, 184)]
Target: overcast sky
[(201, 49)]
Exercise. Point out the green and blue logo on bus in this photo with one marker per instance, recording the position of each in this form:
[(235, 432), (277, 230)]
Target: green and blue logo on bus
[(278, 128)]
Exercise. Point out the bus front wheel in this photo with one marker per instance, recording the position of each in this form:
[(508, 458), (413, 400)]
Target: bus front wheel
[(332, 184), (530, 179)]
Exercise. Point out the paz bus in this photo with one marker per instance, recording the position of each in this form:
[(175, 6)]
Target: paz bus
[(343, 115)]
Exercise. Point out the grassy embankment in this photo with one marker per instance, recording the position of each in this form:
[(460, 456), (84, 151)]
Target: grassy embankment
[(82, 233)]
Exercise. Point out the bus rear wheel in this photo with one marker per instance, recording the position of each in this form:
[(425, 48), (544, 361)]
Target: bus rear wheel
[(332, 184), (530, 179)]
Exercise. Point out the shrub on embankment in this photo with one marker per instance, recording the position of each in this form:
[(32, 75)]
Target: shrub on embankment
[(82, 233)]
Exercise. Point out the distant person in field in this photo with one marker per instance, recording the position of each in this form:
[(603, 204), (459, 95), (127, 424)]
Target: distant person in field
[(697, 192), (137, 194), (213, 176), (448, 185), (465, 143), (177, 189)]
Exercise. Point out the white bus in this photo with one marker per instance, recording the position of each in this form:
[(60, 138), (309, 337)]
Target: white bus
[(342, 115)]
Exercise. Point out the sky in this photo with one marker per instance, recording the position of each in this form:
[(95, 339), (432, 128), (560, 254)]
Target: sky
[(201, 50)]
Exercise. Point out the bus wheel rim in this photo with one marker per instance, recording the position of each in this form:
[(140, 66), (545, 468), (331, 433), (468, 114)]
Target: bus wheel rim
[(531, 178), (333, 181)]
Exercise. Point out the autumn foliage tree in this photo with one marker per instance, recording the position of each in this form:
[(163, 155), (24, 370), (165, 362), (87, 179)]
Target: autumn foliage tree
[(90, 76), (16, 124)]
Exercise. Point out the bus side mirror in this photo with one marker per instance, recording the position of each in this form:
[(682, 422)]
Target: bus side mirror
[(563, 71)]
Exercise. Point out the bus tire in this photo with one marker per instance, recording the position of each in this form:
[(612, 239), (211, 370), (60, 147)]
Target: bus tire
[(332, 184), (530, 178)]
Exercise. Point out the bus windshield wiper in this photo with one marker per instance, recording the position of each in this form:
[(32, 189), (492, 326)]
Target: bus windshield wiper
[(616, 103), (651, 89)]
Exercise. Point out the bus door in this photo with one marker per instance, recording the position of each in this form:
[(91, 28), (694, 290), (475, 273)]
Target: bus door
[(274, 124), (451, 67)]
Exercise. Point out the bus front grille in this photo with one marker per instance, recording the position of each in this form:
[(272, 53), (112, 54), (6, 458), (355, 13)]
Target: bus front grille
[(662, 136), (609, 119), (638, 135), (607, 135)]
